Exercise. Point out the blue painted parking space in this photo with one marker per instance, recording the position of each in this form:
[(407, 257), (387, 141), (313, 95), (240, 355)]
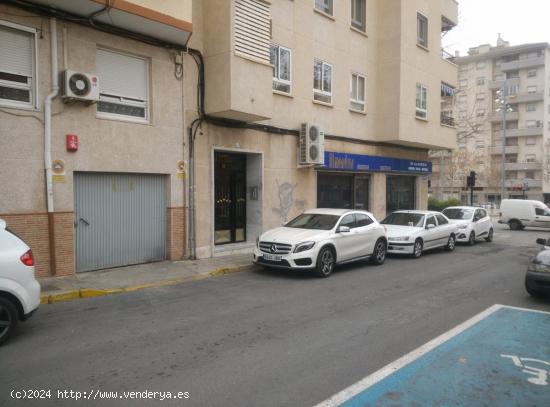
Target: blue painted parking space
[(499, 358)]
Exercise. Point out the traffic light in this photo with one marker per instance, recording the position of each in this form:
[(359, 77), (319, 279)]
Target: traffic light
[(472, 178)]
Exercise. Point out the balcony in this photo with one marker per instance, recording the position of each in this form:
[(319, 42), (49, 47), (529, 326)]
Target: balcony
[(527, 132), (518, 183), (525, 166), (522, 64), (449, 14), (495, 85), (447, 56), (510, 116), (497, 150), (526, 98), (447, 120)]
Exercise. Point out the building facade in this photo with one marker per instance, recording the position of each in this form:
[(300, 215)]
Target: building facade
[(274, 107), (488, 76)]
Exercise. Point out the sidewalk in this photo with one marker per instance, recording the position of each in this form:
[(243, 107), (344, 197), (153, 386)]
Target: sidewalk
[(139, 277)]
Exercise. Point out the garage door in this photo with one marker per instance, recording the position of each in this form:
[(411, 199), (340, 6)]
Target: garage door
[(119, 219)]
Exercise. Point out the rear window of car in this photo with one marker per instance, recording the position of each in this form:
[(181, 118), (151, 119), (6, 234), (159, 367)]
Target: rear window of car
[(404, 219)]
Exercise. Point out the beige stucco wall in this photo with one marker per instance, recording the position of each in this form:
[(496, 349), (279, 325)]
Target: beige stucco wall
[(180, 9), (104, 145)]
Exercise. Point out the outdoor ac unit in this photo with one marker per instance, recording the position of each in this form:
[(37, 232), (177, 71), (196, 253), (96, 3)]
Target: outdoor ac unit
[(80, 86), (312, 145)]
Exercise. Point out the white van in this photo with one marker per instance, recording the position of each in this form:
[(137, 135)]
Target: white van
[(519, 213)]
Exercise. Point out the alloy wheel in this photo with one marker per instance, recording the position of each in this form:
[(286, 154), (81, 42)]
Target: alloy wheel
[(380, 252), (5, 321), (327, 262)]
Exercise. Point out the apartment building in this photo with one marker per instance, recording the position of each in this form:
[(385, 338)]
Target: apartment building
[(136, 131), (338, 103), (488, 77), (92, 130)]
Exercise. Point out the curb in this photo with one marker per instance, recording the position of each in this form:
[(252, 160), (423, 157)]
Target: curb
[(80, 293)]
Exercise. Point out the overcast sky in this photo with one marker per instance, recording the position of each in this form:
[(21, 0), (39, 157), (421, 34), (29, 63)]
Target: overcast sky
[(480, 21)]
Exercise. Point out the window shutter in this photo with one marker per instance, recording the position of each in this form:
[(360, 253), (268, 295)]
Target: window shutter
[(252, 28), (122, 75), (16, 51)]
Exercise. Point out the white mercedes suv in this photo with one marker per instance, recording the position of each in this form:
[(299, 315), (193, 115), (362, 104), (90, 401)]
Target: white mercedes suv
[(319, 239), (19, 290)]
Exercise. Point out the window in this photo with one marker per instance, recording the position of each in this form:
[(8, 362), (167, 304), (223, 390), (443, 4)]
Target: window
[(530, 141), (513, 90), (348, 221), (532, 124), (480, 81), (281, 59), (358, 14), (362, 220), (530, 174), (124, 86), (421, 30), (541, 212), (480, 65), (531, 89), (324, 5), (17, 66), (531, 73), (480, 96), (463, 83), (421, 101), (530, 158), (322, 81), (531, 107), (480, 113), (357, 96), (441, 219), (512, 75), (430, 221)]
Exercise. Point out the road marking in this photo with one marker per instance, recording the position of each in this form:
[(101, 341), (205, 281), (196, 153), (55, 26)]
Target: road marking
[(400, 363), (541, 378)]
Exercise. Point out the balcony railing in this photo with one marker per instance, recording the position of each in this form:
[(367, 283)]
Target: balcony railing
[(497, 150), (526, 97), (524, 166), (494, 85), (518, 183), (510, 116), (522, 64), (526, 132), (447, 56), (448, 120)]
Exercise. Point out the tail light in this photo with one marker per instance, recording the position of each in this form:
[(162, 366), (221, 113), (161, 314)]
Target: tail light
[(27, 258)]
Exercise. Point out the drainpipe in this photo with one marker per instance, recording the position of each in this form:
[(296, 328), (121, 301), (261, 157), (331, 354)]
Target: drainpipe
[(48, 138)]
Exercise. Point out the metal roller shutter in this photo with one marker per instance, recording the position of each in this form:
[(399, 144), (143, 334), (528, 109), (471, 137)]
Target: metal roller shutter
[(253, 29)]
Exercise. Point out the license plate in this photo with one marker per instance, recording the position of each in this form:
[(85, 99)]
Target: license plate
[(273, 257)]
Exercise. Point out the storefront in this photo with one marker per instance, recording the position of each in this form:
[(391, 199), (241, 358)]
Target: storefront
[(345, 181)]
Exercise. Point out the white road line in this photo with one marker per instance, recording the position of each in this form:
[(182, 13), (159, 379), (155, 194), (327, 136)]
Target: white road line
[(387, 370)]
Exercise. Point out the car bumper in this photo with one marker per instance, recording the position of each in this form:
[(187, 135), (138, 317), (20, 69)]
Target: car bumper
[(400, 247), (538, 281), (463, 235), (299, 261)]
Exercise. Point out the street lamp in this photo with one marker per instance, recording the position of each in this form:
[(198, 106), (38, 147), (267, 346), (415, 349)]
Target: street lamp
[(504, 107)]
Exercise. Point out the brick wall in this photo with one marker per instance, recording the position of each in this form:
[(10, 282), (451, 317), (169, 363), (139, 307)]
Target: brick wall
[(63, 232), (33, 229), (175, 233)]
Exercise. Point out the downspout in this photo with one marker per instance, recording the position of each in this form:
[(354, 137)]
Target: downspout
[(48, 139)]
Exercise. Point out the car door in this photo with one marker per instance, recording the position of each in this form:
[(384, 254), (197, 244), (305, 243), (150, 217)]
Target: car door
[(482, 222), (444, 229), (431, 234), (365, 227), (347, 242), (542, 217)]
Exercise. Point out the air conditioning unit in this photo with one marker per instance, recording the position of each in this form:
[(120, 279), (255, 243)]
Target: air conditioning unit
[(312, 145), (80, 86)]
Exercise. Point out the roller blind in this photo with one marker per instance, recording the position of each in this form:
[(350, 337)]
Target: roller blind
[(16, 51), (122, 75), (253, 28)]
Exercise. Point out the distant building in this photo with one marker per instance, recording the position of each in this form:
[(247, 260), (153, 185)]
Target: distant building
[(523, 69)]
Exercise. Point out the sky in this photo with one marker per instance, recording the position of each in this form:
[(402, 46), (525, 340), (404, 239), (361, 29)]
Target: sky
[(480, 21)]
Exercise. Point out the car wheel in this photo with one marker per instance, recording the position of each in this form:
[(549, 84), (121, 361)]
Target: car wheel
[(417, 249), (451, 243), (489, 237), (515, 224), (472, 239), (8, 319), (533, 292), (379, 254), (325, 262)]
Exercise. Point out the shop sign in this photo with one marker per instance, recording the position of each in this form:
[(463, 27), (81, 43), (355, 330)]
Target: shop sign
[(359, 162)]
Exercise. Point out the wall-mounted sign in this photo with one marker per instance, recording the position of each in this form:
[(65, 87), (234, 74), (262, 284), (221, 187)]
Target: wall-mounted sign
[(360, 162)]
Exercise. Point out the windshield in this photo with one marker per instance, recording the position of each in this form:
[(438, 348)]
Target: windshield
[(313, 221), (405, 219), (457, 213)]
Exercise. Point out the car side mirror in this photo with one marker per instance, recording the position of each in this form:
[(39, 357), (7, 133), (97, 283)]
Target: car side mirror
[(430, 226), (343, 229), (541, 241)]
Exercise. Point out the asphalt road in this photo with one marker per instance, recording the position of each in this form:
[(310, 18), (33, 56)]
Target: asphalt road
[(265, 338)]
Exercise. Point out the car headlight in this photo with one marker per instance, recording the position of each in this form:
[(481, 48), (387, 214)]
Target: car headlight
[(304, 246), (399, 238), (539, 268)]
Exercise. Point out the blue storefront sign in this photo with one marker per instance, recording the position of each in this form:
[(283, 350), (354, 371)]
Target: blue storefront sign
[(359, 162)]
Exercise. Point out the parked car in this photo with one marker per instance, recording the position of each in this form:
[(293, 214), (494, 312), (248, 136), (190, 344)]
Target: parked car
[(537, 278), (320, 239), (519, 213), (413, 232), (473, 223), (19, 290)]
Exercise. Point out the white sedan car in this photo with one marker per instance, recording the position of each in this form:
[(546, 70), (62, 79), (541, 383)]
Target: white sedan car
[(413, 232), (473, 223), (319, 239), (19, 291)]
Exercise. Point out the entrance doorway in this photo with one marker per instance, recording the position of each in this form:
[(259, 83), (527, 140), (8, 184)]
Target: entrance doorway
[(229, 198), (342, 191)]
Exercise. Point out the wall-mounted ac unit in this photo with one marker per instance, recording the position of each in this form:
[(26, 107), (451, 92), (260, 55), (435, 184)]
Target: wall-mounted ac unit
[(80, 86), (311, 145)]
